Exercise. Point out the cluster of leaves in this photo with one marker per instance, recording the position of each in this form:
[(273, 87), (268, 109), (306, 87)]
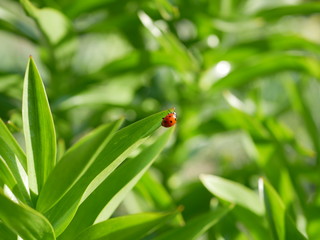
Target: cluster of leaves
[(243, 78)]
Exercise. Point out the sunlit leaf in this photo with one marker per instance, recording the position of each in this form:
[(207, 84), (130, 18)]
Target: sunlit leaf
[(38, 129)]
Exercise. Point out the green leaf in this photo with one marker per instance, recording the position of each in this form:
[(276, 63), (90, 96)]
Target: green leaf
[(233, 192), (9, 168), (25, 221), (125, 228), (6, 233), (197, 226), (282, 226), (12, 144), (38, 129), (105, 198), (108, 158), (65, 175)]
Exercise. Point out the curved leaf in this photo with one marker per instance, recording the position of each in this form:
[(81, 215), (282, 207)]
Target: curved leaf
[(113, 189), (25, 221), (125, 228), (282, 226), (12, 144), (233, 192), (109, 157), (64, 175)]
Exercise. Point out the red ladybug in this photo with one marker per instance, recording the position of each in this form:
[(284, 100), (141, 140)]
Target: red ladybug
[(169, 120)]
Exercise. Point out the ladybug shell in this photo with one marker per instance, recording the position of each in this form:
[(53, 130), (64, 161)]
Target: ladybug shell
[(169, 120)]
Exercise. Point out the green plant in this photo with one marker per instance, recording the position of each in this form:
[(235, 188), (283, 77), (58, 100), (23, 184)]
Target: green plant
[(242, 74)]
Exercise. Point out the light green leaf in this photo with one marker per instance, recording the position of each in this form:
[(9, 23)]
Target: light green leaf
[(197, 226), (38, 129), (125, 228), (108, 158), (233, 192), (12, 144), (25, 221), (102, 202), (9, 169), (282, 226), (65, 175), (54, 25)]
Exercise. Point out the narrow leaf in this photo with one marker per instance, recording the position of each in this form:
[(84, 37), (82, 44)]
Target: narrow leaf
[(113, 189), (9, 168), (233, 192), (64, 175), (282, 226), (105, 161), (8, 178), (25, 221), (38, 129), (12, 144), (125, 228), (197, 226)]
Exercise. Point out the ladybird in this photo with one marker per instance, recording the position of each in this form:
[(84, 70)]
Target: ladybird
[(169, 120)]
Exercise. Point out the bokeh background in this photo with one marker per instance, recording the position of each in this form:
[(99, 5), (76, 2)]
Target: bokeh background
[(243, 76)]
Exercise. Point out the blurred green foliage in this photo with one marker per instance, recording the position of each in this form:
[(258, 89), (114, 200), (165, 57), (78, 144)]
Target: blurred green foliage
[(242, 75)]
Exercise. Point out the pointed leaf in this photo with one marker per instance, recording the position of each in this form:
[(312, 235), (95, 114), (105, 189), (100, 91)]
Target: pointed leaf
[(197, 226), (105, 161), (64, 175), (25, 221), (233, 192), (38, 129), (114, 188)]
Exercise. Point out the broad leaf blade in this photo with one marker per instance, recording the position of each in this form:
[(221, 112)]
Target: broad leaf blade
[(112, 190), (64, 175), (25, 221), (125, 228), (195, 227), (233, 192), (109, 158), (38, 129)]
